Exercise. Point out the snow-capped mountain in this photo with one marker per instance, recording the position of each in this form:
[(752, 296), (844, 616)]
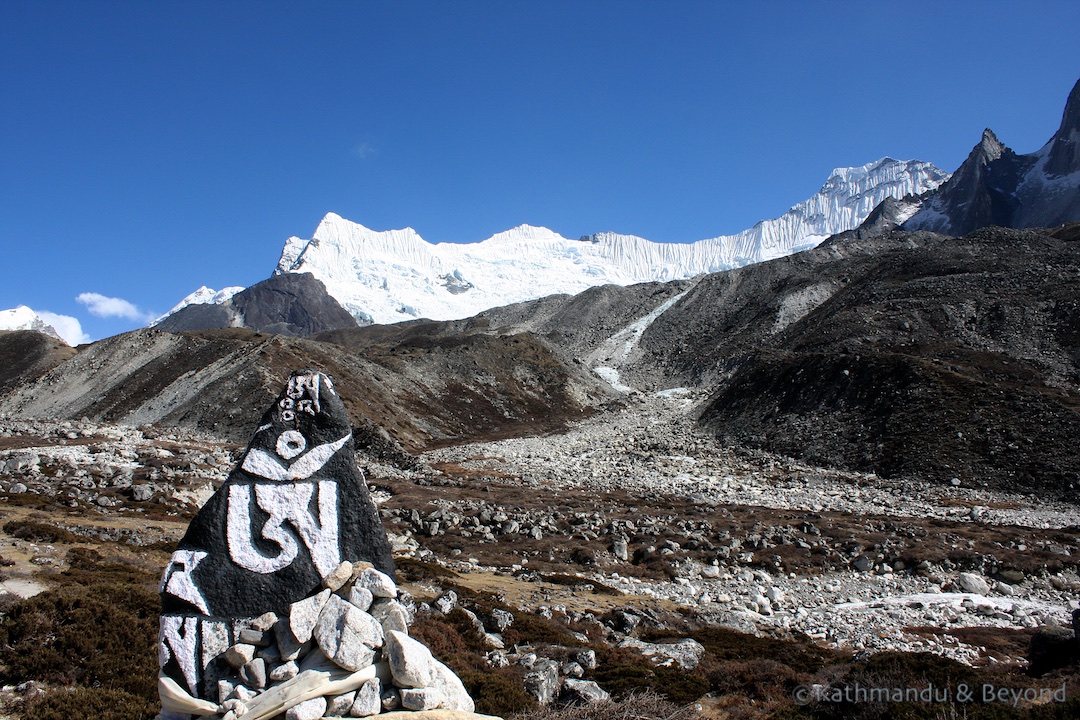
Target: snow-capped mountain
[(23, 318), (394, 275), (202, 296)]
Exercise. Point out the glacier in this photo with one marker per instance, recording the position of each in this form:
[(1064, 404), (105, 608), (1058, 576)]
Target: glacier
[(395, 275)]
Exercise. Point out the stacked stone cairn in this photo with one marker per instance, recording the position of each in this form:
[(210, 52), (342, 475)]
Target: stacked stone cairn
[(344, 652), (279, 601)]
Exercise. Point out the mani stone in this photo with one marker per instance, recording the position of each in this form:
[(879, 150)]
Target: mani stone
[(294, 510), (288, 515)]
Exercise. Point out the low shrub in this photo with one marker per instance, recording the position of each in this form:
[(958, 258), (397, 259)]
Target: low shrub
[(97, 703), (640, 705), (532, 629), (102, 636), (498, 692), (624, 672), (39, 532)]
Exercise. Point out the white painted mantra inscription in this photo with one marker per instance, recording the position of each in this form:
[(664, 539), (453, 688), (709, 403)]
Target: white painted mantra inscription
[(288, 505), (194, 642), (177, 578)]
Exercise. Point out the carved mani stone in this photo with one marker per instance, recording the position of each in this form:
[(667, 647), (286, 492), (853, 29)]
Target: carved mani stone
[(293, 509)]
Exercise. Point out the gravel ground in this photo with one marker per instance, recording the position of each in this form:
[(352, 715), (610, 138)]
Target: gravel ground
[(650, 447)]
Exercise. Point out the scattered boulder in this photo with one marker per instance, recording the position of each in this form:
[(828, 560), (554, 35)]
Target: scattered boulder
[(583, 692), (972, 583), (1052, 647), (685, 653), (542, 681)]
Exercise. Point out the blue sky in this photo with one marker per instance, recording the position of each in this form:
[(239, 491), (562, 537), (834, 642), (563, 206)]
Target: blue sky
[(148, 148)]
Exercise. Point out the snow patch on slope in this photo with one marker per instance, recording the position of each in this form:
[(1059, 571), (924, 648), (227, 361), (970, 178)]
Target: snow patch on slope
[(616, 350)]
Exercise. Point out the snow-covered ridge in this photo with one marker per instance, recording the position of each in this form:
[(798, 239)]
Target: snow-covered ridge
[(394, 275)]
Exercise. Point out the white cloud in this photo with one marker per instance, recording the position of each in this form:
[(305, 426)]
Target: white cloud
[(66, 327), (106, 307), (364, 150)]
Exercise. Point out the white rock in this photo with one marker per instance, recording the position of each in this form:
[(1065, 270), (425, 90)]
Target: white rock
[(427, 698), (340, 705), (254, 673), (411, 663), (289, 648), (368, 700), (239, 655), (392, 615), (339, 576), (308, 710), (585, 691), (361, 597), (380, 584), (347, 634), (304, 614), (455, 696), (973, 583), (284, 672)]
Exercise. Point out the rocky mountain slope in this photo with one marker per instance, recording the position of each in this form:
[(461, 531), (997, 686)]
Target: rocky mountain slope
[(910, 355), (25, 355)]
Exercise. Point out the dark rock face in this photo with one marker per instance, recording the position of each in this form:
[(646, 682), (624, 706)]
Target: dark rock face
[(294, 508), (294, 304), (1064, 157), (200, 317), (981, 192), (291, 304)]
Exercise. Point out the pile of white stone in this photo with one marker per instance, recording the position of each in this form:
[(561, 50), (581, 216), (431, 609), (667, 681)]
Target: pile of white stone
[(342, 652)]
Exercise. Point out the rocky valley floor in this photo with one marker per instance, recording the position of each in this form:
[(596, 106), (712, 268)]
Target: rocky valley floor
[(630, 531)]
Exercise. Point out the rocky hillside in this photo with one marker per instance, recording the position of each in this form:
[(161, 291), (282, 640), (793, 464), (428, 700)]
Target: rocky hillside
[(27, 354), (423, 390)]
